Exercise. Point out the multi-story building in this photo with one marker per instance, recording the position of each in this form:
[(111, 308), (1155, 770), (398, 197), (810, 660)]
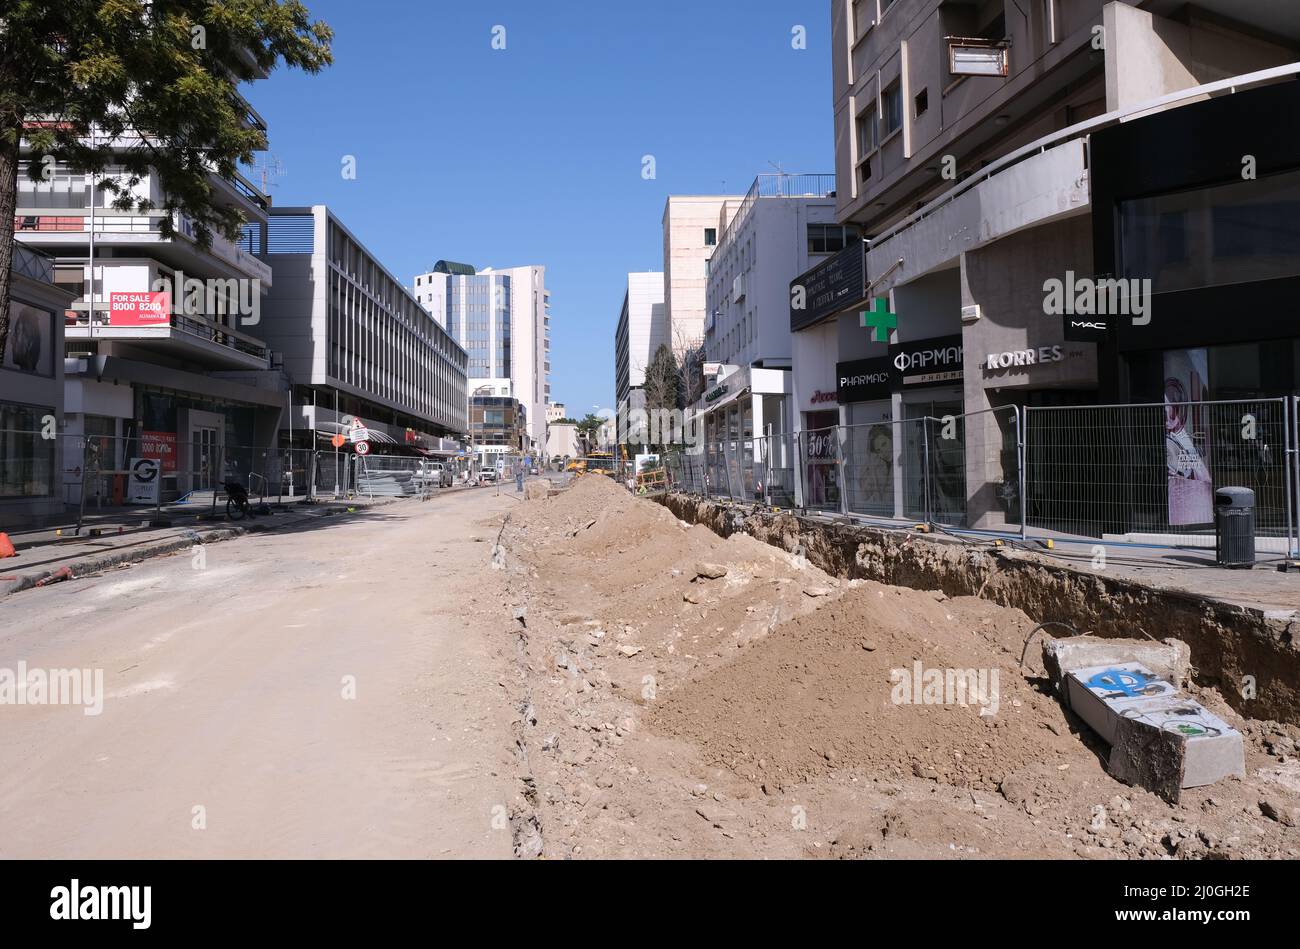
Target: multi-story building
[(502, 319), (968, 138), (362, 352), (785, 224), (165, 332), (554, 412), (692, 225), (642, 329), (498, 426), (32, 394)]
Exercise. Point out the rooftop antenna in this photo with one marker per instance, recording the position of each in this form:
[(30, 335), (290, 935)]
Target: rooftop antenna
[(777, 166), (269, 168)]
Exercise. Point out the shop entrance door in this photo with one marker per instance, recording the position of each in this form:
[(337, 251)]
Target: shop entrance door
[(205, 455)]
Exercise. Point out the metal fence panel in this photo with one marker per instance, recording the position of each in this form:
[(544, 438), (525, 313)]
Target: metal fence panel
[(1143, 472)]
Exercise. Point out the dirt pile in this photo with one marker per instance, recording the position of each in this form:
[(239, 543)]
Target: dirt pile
[(694, 696)]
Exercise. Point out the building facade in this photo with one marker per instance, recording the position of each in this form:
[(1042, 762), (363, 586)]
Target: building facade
[(642, 329), (362, 352), (967, 137), (164, 333), (692, 226), (32, 395), (502, 318), (498, 426)]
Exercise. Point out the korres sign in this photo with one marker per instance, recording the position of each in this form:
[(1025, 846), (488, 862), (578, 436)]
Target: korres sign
[(864, 380), (1024, 357), (928, 362), (834, 284)]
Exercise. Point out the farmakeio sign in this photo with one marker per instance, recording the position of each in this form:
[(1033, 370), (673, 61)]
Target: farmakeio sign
[(864, 380), (928, 362), (833, 285)]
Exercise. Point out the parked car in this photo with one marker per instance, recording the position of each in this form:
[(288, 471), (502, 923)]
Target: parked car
[(434, 473), (487, 476)]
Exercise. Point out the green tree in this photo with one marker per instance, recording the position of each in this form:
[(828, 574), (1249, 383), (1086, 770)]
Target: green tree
[(167, 70), (662, 390)]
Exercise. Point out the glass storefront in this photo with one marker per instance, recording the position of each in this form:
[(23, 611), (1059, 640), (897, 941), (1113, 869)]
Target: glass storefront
[(27, 460)]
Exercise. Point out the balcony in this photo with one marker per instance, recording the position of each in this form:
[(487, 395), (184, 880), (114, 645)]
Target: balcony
[(773, 186), (140, 232), (197, 339)]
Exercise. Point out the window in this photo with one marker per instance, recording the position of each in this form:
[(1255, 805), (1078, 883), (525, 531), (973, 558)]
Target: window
[(885, 5), (892, 114), (710, 237), (862, 10), (867, 133), (830, 238), (922, 102)]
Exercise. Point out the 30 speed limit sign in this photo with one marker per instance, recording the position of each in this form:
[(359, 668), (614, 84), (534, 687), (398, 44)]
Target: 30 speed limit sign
[(362, 448)]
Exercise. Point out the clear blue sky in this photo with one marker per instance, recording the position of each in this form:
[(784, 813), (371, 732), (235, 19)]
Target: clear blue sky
[(532, 154)]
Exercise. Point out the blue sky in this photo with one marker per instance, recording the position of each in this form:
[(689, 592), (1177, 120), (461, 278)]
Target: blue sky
[(532, 154)]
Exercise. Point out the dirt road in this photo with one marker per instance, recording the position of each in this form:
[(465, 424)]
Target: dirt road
[(329, 693)]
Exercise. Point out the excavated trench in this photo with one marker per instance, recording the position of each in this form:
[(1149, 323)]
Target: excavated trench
[(1233, 647)]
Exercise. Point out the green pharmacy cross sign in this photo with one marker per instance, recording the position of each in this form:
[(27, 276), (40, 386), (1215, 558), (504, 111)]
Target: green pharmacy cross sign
[(880, 320)]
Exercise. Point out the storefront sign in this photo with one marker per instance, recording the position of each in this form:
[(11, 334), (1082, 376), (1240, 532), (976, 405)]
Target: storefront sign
[(713, 395), (162, 446), (928, 362), (1023, 357), (146, 480), (833, 285), (139, 309), (818, 397), (864, 380)]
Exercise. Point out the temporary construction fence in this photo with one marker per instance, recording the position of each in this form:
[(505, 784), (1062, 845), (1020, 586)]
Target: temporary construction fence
[(55, 480), (1143, 474)]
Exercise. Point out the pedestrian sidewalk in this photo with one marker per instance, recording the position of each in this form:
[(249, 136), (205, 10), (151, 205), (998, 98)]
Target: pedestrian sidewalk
[(126, 537)]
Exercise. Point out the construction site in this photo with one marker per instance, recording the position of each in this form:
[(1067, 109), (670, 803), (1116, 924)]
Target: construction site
[(695, 679)]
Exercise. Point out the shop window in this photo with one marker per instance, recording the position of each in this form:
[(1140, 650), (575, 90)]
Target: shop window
[(27, 461)]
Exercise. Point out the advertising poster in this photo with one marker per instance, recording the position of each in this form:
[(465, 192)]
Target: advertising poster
[(1187, 438), (162, 446), (31, 340)]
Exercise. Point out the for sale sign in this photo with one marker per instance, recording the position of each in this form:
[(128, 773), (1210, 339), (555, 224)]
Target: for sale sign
[(139, 309), (160, 445)]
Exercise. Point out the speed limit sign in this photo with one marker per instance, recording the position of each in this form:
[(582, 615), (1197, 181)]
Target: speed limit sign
[(362, 448)]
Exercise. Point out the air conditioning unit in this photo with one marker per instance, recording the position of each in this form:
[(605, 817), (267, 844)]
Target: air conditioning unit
[(738, 288)]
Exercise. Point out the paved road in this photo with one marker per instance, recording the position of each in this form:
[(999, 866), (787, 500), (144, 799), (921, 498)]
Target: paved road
[(224, 698)]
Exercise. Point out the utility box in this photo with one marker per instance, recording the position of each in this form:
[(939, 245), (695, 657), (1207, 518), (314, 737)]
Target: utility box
[(1234, 527)]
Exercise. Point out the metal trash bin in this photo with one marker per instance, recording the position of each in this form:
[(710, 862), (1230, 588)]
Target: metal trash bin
[(1234, 527)]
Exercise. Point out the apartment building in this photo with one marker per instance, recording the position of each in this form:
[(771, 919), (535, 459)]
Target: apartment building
[(502, 318), (970, 143), (692, 225), (363, 353), (163, 333), (498, 426), (642, 329)]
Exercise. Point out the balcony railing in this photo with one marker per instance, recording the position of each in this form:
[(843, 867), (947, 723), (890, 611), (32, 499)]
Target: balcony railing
[(774, 186), (32, 263), (203, 328)]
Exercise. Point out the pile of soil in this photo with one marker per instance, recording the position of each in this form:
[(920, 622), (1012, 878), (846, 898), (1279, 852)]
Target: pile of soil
[(689, 695)]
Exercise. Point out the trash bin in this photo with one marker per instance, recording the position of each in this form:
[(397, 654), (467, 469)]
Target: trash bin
[(1234, 527)]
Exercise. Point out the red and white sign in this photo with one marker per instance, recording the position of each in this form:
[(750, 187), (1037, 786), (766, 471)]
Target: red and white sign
[(362, 448), (139, 309), (162, 446)]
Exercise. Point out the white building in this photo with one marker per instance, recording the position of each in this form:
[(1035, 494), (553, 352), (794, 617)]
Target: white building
[(642, 329), (502, 319)]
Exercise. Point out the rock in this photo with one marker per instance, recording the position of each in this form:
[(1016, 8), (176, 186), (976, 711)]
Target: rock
[(817, 591), (710, 571), (1014, 789), (629, 651), (1274, 810), (691, 598), (536, 491), (1134, 837)]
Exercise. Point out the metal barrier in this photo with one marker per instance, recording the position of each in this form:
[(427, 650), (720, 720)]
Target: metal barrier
[(1147, 473)]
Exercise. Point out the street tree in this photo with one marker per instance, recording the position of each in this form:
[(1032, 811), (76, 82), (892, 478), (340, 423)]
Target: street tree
[(79, 78)]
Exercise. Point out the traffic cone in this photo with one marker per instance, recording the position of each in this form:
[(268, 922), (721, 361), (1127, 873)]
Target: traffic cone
[(6, 547)]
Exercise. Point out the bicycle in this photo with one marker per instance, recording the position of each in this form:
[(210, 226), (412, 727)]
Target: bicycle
[(237, 506)]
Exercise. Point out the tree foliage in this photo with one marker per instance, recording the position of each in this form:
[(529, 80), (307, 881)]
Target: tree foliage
[(157, 83)]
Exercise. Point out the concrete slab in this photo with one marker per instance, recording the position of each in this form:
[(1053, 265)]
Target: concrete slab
[(1170, 660), (1160, 738)]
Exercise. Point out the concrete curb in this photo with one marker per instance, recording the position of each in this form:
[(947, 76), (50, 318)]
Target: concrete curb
[(91, 563)]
